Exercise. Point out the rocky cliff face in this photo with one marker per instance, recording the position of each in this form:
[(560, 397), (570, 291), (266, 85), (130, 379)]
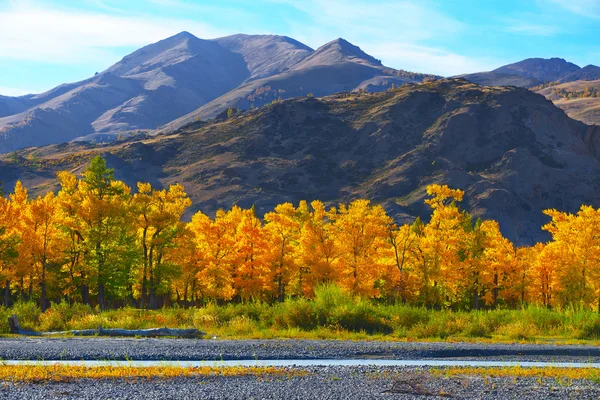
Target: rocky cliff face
[(511, 150)]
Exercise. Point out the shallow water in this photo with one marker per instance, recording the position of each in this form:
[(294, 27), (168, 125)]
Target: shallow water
[(310, 363)]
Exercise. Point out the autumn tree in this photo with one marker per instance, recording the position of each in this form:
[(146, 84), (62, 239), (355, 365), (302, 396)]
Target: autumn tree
[(42, 218), (215, 240), (108, 236), (361, 232), (402, 242), (438, 266), (158, 216), (8, 247), (186, 254), (252, 278), (318, 251), (574, 254), (74, 272), (282, 230)]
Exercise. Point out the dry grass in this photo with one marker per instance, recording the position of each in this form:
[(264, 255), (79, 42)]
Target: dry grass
[(63, 373), (560, 373)]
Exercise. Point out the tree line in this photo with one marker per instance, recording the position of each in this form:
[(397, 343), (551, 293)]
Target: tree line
[(96, 242)]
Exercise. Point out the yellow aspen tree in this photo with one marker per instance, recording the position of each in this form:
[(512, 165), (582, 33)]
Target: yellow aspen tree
[(158, 216), (108, 232), (186, 254), (282, 231), (438, 250), (402, 242), (361, 232), (469, 279), (543, 276), (43, 219), (523, 286), (75, 273), (317, 248), (9, 240), (215, 240), (575, 255), (252, 278), (499, 276), (24, 271)]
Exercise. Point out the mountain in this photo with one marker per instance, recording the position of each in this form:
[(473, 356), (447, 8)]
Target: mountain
[(499, 79), (146, 89), (543, 75), (579, 99), (266, 55), (189, 78), (533, 72), (512, 151), (587, 73), (540, 69), (335, 67)]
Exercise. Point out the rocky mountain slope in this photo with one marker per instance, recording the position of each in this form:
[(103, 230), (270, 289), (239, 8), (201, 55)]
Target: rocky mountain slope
[(146, 89), (510, 149), (535, 71), (579, 99), (335, 67), (171, 78)]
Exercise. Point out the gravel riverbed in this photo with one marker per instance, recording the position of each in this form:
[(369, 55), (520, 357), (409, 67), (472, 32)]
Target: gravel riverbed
[(333, 382), (321, 383), (208, 349)]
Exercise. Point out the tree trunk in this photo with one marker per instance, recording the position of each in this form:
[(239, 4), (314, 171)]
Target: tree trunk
[(7, 294), (85, 294), (101, 295), (43, 302), (43, 288), (280, 293)]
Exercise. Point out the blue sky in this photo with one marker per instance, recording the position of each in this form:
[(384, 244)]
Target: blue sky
[(44, 43)]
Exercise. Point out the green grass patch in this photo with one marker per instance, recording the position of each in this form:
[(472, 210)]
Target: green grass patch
[(332, 314)]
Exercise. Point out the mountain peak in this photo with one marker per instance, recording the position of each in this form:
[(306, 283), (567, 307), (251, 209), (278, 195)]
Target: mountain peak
[(541, 69), (174, 47), (184, 34), (340, 50)]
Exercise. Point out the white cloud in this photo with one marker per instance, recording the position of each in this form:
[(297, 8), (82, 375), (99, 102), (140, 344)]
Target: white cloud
[(30, 31), (526, 28), (586, 8), (404, 20), (9, 91), (393, 31), (429, 60)]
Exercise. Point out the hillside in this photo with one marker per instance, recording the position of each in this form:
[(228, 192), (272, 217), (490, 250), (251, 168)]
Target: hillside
[(144, 90), (335, 67), (531, 72), (538, 73), (511, 150), (579, 99), (172, 78)]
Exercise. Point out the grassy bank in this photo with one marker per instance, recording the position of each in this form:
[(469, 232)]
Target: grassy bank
[(333, 314), (65, 373)]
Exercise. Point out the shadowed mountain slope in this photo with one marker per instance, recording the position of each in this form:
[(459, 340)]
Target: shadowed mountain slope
[(535, 71), (335, 67), (510, 149), (540, 69), (587, 73)]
